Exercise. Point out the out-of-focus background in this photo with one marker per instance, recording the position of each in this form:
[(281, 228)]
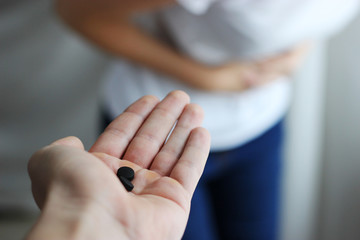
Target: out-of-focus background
[(49, 88)]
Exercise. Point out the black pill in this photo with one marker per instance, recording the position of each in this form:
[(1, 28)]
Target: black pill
[(127, 184), (126, 172)]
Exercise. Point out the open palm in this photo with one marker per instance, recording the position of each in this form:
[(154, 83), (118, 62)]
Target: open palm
[(167, 169)]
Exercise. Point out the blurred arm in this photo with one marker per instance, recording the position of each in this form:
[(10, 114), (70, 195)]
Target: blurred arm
[(108, 25)]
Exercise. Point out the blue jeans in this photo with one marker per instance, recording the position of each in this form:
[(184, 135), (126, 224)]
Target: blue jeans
[(238, 194)]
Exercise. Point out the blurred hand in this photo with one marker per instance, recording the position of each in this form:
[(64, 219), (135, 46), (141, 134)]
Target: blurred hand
[(240, 76), (81, 196)]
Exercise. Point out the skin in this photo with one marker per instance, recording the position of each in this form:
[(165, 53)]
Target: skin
[(80, 196), (108, 25)]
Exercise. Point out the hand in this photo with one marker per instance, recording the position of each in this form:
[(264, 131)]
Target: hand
[(234, 76), (240, 76), (81, 196), (284, 64)]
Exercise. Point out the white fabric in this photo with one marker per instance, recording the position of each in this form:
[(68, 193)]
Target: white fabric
[(231, 118), (217, 31), (196, 6), (233, 29)]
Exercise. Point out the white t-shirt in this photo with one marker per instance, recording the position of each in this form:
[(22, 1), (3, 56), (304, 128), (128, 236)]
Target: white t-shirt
[(218, 31)]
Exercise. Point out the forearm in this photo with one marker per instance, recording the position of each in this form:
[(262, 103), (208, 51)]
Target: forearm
[(120, 37), (125, 40)]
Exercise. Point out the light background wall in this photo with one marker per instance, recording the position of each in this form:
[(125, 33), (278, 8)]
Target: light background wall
[(339, 214), (303, 149), (322, 181), (49, 83)]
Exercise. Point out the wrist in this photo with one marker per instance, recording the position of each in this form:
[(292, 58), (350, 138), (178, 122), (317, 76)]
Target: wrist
[(196, 75), (64, 217)]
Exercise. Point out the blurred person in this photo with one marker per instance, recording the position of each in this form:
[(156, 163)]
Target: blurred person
[(235, 59), (82, 198)]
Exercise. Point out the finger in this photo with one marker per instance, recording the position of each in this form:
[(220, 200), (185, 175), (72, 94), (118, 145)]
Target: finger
[(119, 133), (285, 63), (152, 134), (251, 77), (190, 166), (296, 57), (70, 141), (170, 152)]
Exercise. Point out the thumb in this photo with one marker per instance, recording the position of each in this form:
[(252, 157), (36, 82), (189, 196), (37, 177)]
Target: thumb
[(70, 141), (44, 163)]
